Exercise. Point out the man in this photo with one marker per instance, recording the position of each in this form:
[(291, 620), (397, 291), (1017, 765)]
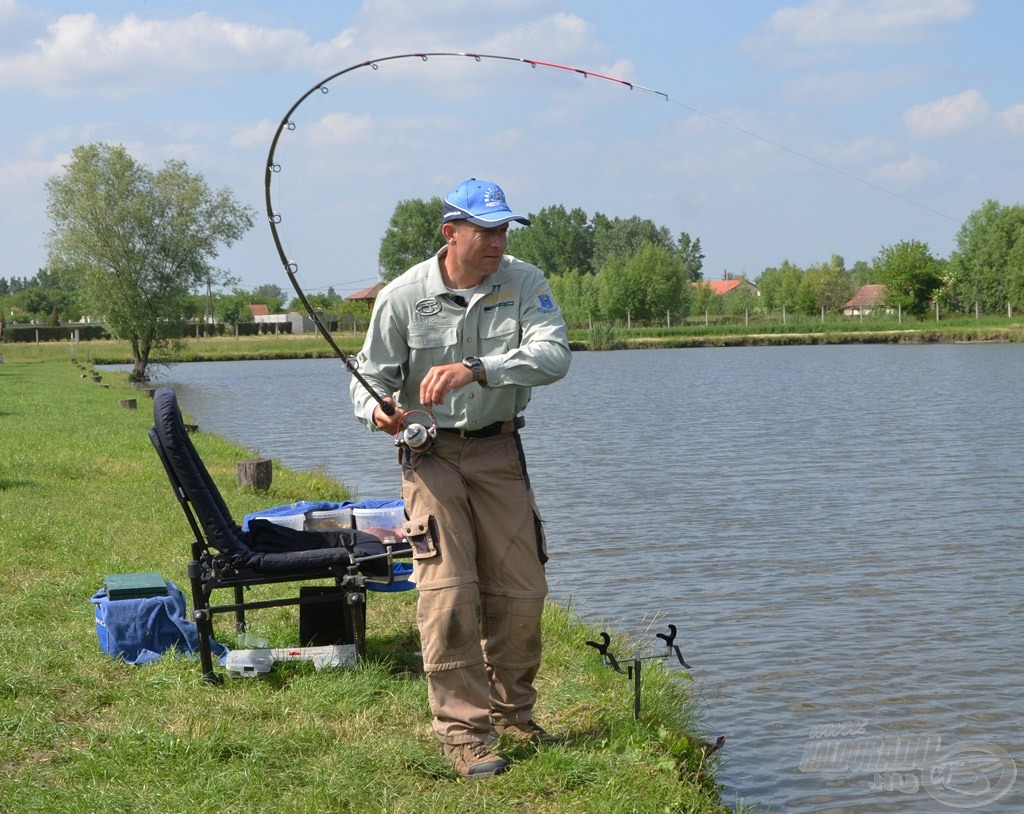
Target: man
[(464, 336)]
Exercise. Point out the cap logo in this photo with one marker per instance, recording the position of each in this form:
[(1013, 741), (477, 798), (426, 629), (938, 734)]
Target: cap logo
[(494, 196)]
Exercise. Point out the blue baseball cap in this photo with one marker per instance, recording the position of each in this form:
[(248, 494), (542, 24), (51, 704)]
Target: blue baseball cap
[(481, 203)]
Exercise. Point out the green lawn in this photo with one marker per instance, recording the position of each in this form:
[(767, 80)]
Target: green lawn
[(82, 494)]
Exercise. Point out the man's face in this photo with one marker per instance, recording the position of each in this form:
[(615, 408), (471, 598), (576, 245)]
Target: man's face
[(478, 250)]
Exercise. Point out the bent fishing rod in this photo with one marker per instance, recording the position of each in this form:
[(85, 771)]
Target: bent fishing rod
[(288, 123)]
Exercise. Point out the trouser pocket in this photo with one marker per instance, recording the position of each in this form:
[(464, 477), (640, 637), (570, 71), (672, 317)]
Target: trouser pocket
[(421, 533), (449, 624)]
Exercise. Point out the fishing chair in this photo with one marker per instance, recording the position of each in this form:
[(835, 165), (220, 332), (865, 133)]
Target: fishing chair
[(226, 556)]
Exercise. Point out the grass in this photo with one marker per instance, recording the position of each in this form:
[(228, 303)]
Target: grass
[(834, 330), (83, 494)]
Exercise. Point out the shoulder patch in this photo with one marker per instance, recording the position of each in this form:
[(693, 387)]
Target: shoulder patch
[(545, 301)]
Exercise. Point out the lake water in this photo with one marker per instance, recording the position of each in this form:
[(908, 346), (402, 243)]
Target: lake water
[(836, 532)]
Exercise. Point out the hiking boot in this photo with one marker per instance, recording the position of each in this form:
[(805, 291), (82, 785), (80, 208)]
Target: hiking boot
[(474, 759), (525, 732)]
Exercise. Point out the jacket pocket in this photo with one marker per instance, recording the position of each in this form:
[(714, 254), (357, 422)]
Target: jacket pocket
[(429, 346), (499, 336)]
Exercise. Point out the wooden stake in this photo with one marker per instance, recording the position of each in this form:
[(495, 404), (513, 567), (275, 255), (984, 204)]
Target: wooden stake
[(257, 473)]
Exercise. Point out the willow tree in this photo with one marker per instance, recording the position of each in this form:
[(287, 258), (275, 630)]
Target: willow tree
[(138, 242)]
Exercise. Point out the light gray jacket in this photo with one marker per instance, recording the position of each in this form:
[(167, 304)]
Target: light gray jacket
[(511, 323)]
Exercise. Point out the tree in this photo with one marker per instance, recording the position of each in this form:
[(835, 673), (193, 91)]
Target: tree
[(741, 301), (825, 286), (647, 285), (979, 265), (780, 287), (618, 239), (413, 235), (910, 275), (557, 241), (270, 295), (704, 301), (621, 296), (139, 241), (693, 258), (233, 309)]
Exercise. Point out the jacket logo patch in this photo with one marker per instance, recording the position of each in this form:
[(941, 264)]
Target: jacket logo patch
[(428, 307), (545, 302)]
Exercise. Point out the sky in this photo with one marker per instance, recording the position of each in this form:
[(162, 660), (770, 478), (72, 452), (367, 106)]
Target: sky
[(777, 131)]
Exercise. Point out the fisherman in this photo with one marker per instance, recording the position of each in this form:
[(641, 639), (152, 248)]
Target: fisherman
[(464, 337)]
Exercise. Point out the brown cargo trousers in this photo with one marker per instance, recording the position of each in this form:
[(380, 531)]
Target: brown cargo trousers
[(478, 559)]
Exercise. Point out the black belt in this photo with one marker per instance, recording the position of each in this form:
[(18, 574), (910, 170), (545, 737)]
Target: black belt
[(497, 428)]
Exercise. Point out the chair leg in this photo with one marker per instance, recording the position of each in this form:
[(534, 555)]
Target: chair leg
[(240, 610), (204, 621), (356, 601), (204, 624)]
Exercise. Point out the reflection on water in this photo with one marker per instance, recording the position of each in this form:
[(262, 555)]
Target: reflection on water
[(835, 530)]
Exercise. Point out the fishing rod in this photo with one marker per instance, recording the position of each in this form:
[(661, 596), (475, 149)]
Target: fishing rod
[(288, 123)]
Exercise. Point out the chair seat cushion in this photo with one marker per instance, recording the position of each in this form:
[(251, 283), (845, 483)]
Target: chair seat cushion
[(274, 547)]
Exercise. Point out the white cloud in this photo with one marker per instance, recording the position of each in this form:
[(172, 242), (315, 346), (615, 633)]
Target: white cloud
[(821, 29), (906, 173), (80, 53), (948, 115), (259, 135), (1013, 119), (844, 87), (341, 129)]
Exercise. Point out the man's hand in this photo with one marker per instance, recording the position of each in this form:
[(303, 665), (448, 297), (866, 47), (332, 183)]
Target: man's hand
[(390, 424), (441, 380)]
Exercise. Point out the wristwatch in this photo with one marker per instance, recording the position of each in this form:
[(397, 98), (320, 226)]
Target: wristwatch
[(476, 366)]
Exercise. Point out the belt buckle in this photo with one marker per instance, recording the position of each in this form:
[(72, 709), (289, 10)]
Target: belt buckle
[(463, 433)]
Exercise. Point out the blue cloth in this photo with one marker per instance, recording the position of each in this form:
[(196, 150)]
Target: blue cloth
[(378, 504), (139, 631), (292, 509)]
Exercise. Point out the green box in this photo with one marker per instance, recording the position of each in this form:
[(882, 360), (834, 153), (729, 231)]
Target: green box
[(135, 586)]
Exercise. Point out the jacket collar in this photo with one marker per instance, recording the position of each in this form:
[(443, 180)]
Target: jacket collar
[(435, 282)]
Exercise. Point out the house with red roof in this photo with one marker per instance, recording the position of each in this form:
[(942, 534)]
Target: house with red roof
[(722, 287), (367, 295), (869, 298)]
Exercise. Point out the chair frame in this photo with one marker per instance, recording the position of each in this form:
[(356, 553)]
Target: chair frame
[(210, 570)]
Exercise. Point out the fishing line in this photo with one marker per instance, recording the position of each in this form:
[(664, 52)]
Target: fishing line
[(813, 160), (289, 123)]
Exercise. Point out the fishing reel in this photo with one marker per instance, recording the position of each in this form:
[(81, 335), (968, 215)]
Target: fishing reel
[(417, 436)]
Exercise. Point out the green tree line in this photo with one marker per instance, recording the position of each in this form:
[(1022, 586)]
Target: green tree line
[(632, 270)]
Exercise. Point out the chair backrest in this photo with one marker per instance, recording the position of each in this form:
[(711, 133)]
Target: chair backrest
[(192, 483)]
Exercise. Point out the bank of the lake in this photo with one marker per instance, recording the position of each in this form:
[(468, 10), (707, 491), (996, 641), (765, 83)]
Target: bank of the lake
[(834, 331), (82, 494)]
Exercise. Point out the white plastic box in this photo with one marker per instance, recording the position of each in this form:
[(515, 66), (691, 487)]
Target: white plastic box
[(329, 520), (292, 521), (385, 523)]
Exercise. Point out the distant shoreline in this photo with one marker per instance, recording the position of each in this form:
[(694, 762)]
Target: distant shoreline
[(313, 346)]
